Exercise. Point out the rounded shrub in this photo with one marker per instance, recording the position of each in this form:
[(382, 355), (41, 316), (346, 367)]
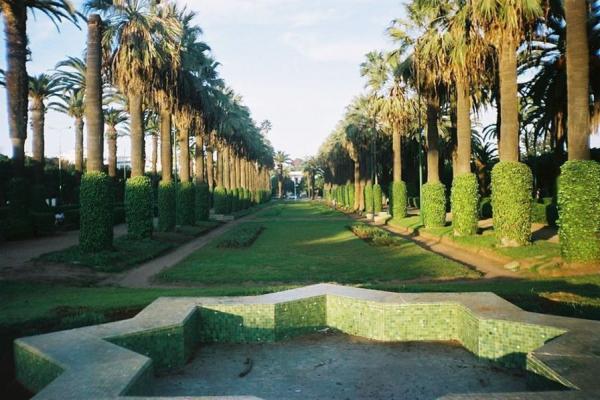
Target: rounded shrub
[(351, 195), (377, 198), (512, 183), (241, 199), (235, 200), (399, 199), (369, 197), (465, 199), (96, 216), (579, 211), (433, 205), (138, 207), (186, 204), (248, 198), (202, 200), (485, 208), (166, 206), (220, 200)]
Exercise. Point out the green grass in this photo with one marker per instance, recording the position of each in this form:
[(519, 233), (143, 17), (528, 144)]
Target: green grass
[(298, 210)]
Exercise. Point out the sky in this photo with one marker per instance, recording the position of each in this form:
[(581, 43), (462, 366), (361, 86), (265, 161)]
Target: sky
[(294, 62)]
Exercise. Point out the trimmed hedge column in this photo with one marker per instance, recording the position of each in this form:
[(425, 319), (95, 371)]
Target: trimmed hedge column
[(202, 202), (433, 205), (369, 198), (351, 195), (186, 204), (235, 200), (96, 220), (377, 198), (512, 183), (579, 211), (465, 200), (398, 199), (166, 206), (220, 200), (138, 207)]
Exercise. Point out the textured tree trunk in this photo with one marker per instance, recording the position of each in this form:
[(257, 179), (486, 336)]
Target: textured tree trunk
[(226, 167), (38, 114), (136, 134), (210, 169), (220, 166), (184, 154), (79, 145), (509, 130), (578, 73), (397, 150), (463, 131), (154, 154), (93, 96), (166, 146), (17, 80), (111, 141), (433, 109), (238, 167), (199, 157)]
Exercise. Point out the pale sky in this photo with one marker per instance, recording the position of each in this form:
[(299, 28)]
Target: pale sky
[(295, 62)]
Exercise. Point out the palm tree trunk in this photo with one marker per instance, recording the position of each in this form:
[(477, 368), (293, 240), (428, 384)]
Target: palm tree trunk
[(433, 109), (38, 113), (79, 145), (93, 96), (111, 141), (397, 150), (509, 114), (17, 80), (166, 146), (184, 154), (226, 164), (210, 169), (220, 166), (463, 130), (154, 155), (136, 134), (578, 72), (238, 169), (199, 156)]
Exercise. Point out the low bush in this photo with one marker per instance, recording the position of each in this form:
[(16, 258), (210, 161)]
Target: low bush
[(351, 195), (374, 235), (167, 206), (485, 208), (220, 200), (369, 198), (186, 203), (512, 184), (434, 205), (235, 200), (465, 197), (96, 201), (242, 236), (579, 210), (398, 199), (544, 211), (138, 207), (377, 198), (202, 202)]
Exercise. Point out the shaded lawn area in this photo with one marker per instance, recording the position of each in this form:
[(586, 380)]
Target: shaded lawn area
[(309, 252), (301, 209), (126, 252)]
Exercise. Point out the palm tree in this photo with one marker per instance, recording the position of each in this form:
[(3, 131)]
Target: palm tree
[(72, 103), (17, 79), (41, 89), (93, 96), (280, 159), (113, 117)]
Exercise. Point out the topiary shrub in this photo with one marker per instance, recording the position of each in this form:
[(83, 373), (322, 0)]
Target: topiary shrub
[(248, 198), (433, 206), (167, 205), (351, 195), (186, 204), (235, 205), (579, 211), (242, 198), (118, 214), (138, 207), (512, 183), (398, 199), (369, 198), (464, 199), (220, 200), (544, 211), (202, 202), (485, 208), (96, 215), (19, 224), (377, 198)]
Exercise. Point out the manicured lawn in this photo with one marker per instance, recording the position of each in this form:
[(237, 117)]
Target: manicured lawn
[(298, 210)]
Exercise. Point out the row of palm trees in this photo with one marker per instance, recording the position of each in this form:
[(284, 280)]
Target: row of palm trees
[(146, 72), (453, 58)]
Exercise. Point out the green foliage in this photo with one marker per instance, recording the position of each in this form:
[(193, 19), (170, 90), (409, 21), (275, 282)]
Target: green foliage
[(220, 200), (512, 184), (235, 200), (96, 197), (579, 210), (241, 199), (119, 214), (351, 195), (247, 198), (242, 236), (369, 197), (434, 205), (377, 198), (485, 208), (186, 203), (202, 202), (544, 211), (398, 199), (43, 223), (138, 207), (374, 235), (167, 204), (465, 197)]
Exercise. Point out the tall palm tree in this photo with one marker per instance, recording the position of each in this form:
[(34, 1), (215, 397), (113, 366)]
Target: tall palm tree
[(113, 117), (93, 96), (280, 159), (14, 13), (72, 103)]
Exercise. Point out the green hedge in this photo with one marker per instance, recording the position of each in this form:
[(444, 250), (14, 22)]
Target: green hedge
[(544, 211), (398, 199), (119, 214), (377, 198), (202, 202), (138, 207), (464, 199), (18, 224), (369, 198), (434, 204), (186, 204), (485, 208), (235, 200), (579, 210), (247, 198), (351, 195), (220, 200), (512, 184), (96, 200), (167, 206)]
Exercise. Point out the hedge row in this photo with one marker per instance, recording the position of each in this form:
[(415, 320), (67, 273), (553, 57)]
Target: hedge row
[(398, 199), (369, 197), (434, 204), (96, 200), (377, 198), (220, 200), (465, 199), (139, 207), (167, 201), (186, 203), (202, 202)]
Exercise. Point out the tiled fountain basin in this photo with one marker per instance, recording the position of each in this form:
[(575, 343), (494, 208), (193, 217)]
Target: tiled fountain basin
[(119, 359)]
